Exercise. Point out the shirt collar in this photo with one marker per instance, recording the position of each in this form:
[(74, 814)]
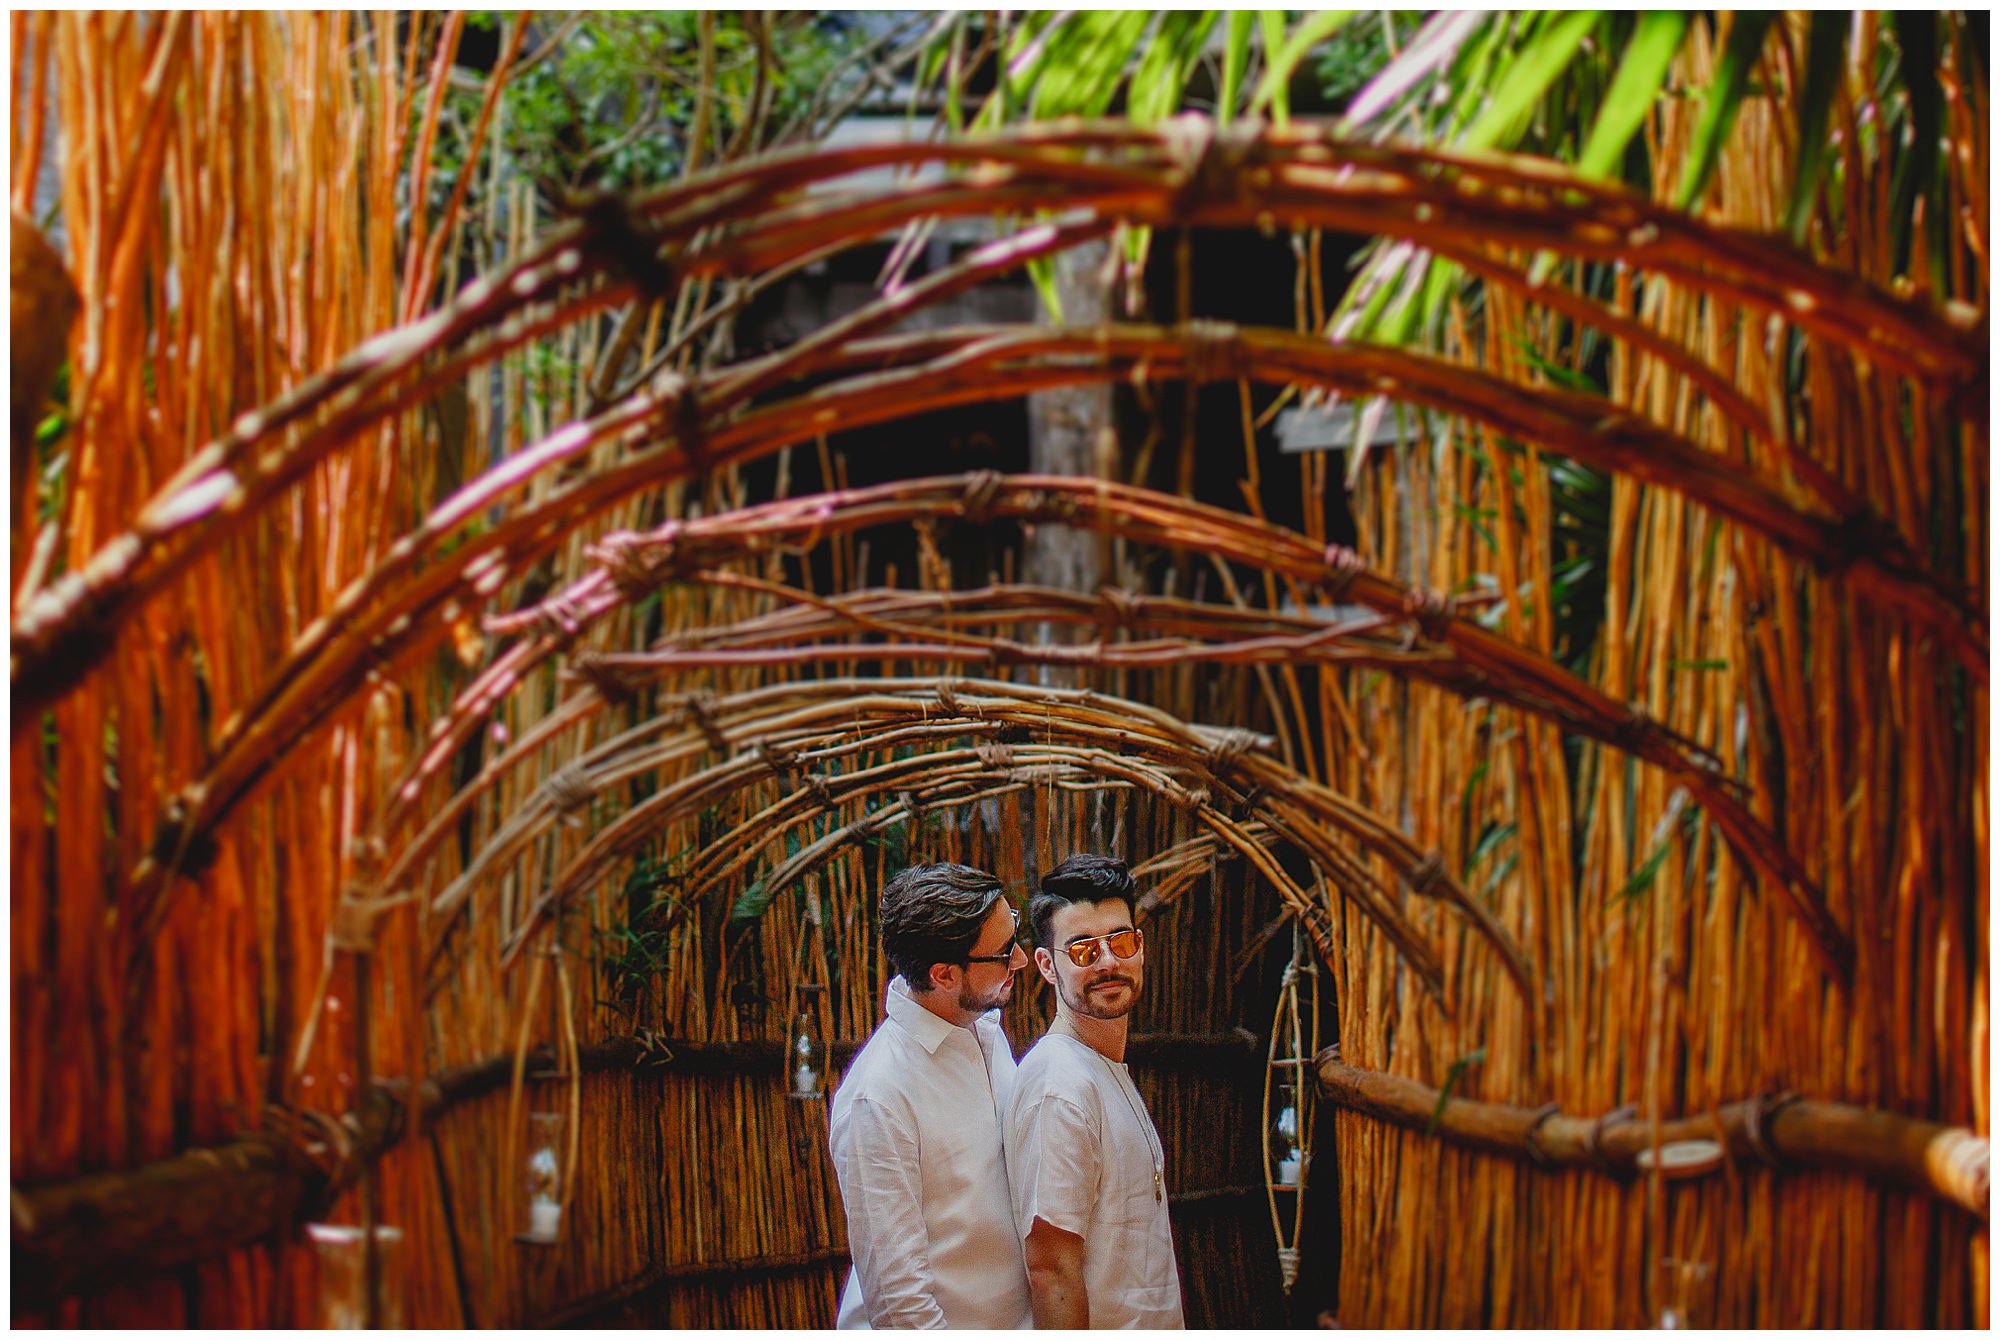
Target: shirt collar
[(909, 1014)]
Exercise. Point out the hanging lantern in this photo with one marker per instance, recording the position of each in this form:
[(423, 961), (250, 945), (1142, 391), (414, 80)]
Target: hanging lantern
[(1686, 1295), (543, 1178), (805, 1049), (805, 1045), (1284, 1138), (1288, 1098), (341, 1251)]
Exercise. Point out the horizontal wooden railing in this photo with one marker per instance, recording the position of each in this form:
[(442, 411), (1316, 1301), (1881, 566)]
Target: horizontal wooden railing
[(106, 1228), (1774, 1131)]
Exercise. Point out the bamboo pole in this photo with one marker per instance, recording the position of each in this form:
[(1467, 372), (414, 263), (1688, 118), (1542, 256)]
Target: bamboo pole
[(1949, 1162)]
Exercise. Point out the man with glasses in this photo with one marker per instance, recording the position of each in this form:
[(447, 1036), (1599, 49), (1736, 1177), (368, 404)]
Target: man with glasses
[(1084, 1161), (915, 1125)]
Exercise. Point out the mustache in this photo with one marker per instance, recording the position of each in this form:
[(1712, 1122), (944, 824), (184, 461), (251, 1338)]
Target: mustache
[(1112, 980)]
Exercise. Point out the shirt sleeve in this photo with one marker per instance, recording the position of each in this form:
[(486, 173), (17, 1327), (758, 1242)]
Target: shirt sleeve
[(875, 1155), (1056, 1164)]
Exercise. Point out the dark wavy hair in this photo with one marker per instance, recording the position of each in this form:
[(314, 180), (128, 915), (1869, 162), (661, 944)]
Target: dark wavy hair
[(1082, 878), (931, 914)]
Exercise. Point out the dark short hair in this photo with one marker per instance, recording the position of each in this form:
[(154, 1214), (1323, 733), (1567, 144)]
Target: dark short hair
[(1082, 878), (932, 914)]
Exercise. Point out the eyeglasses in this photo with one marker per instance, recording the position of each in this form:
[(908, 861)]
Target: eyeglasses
[(1011, 950), (1123, 943)]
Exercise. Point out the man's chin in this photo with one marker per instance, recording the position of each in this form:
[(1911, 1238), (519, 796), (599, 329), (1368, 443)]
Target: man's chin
[(1112, 1000), (989, 1005)]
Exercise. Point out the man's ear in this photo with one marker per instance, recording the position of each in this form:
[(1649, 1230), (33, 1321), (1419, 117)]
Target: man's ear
[(941, 975), (1047, 963)]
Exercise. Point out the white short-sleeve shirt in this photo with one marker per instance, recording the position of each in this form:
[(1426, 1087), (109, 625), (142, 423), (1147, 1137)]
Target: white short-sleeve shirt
[(915, 1134), (1080, 1155)]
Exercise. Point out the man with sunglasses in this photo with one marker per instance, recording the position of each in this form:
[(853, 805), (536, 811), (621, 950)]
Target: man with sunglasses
[(915, 1125), (1084, 1161)]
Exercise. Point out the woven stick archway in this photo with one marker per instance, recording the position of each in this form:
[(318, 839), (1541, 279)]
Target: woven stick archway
[(1182, 174), (396, 613), (634, 565), (1104, 737)]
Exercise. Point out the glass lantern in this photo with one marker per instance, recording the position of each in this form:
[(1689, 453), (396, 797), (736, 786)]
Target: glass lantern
[(1685, 1304), (805, 1049), (342, 1256), (1286, 1158), (544, 1177)]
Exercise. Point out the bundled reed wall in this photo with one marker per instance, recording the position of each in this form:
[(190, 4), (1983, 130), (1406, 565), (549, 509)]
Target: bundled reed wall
[(1671, 980), (228, 187), (181, 980)]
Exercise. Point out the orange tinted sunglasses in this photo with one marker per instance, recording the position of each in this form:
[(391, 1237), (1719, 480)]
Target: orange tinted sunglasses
[(1124, 944)]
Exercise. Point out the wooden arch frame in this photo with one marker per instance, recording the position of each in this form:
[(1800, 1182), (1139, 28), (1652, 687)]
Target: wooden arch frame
[(1217, 775), (1460, 655), (754, 220)]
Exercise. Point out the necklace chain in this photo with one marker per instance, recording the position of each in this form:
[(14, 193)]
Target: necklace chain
[(1154, 1146)]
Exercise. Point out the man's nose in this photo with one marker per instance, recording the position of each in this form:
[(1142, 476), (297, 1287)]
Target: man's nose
[(1018, 959)]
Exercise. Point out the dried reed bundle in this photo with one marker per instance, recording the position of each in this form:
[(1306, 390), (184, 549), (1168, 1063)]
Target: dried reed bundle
[(1681, 993)]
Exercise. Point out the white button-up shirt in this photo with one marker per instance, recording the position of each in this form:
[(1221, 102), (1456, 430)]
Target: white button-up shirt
[(1081, 1154), (915, 1132)]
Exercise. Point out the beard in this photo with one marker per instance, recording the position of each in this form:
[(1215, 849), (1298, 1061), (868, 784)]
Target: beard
[(1092, 1003), (981, 1002)]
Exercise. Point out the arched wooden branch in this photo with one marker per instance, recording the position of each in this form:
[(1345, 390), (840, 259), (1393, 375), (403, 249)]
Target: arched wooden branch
[(1139, 514), (1189, 172), (1164, 876), (1950, 1162), (379, 625), (931, 793), (1111, 738), (623, 675), (753, 217), (956, 770), (1524, 678), (377, 619), (619, 677), (1155, 518), (839, 717)]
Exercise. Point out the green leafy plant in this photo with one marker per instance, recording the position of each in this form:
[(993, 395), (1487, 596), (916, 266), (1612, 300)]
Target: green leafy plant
[(1576, 86), (619, 99), (1680, 822), (1451, 1079), (1354, 54), (633, 955)]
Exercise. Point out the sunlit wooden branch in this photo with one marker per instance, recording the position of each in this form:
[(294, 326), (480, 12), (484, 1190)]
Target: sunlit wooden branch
[(1781, 1133), (753, 217)]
